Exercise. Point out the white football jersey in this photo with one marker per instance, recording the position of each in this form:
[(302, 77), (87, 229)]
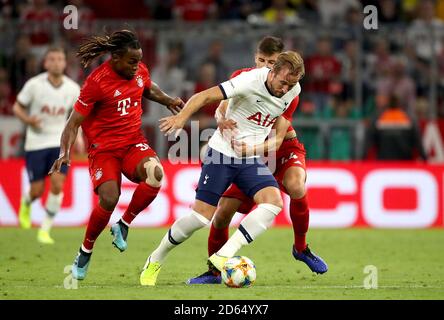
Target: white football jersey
[(52, 105), (253, 107)]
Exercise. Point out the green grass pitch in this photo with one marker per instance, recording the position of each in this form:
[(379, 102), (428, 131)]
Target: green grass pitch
[(409, 266)]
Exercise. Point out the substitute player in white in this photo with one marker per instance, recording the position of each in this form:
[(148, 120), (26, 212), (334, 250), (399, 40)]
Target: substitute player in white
[(256, 99), (44, 104)]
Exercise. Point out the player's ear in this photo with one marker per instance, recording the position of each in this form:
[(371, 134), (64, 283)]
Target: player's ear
[(272, 74), (45, 64)]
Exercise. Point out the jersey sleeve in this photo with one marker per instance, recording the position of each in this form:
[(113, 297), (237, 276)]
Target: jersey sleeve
[(26, 95), (89, 95), (236, 73), (237, 86), (288, 114)]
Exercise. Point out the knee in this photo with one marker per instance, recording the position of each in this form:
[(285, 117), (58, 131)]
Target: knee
[(274, 199), (269, 196), (204, 209), (109, 199), (36, 193), (295, 187), (153, 173), (158, 172)]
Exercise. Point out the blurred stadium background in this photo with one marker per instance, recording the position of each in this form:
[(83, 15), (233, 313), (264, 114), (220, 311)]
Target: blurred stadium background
[(352, 75)]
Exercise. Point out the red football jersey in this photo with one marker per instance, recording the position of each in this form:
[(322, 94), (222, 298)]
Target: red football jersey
[(112, 106), (321, 70), (193, 10), (288, 114), (37, 22), (239, 71)]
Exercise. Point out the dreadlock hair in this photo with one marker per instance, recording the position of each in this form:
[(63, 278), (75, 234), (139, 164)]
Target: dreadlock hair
[(117, 43)]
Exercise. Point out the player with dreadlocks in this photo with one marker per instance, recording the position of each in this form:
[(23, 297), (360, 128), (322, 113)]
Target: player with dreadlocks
[(109, 110)]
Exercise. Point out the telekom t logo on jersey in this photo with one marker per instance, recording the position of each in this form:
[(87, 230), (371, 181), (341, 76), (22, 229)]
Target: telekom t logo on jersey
[(123, 105)]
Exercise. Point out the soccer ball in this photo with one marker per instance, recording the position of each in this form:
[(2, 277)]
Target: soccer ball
[(238, 272)]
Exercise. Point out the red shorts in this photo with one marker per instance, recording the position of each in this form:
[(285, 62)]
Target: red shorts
[(290, 154), (109, 165)]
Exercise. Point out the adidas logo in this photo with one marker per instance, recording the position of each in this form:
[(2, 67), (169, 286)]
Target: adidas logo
[(117, 93)]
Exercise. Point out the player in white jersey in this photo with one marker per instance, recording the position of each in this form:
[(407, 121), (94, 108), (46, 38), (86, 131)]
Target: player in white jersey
[(257, 99), (44, 104)]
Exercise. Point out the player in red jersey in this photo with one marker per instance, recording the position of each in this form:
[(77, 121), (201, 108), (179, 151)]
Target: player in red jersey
[(290, 173), (109, 110)]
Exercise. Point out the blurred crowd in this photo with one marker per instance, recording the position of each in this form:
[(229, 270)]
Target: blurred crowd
[(350, 74), (324, 11)]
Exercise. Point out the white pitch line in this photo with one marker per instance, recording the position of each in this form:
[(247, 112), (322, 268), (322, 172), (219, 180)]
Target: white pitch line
[(257, 286)]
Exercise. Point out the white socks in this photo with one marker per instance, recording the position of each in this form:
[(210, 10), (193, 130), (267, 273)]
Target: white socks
[(53, 204), (254, 224), (251, 227), (181, 230)]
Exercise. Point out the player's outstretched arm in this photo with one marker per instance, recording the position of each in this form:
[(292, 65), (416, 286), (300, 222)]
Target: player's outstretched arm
[(156, 94), (273, 143), (68, 138), (170, 124)]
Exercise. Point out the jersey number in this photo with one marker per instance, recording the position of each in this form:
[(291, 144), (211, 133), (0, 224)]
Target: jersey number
[(291, 156), (143, 146)]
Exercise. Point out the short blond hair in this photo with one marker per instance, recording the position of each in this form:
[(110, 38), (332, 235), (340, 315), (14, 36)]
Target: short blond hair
[(291, 60)]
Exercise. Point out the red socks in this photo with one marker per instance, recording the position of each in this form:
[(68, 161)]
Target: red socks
[(99, 219), (141, 199), (299, 214), (216, 239), (97, 222)]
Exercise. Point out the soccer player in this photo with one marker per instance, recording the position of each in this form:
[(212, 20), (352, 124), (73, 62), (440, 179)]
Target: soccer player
[(258, 98), (44, 104), (290, 173), (109, 110)]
